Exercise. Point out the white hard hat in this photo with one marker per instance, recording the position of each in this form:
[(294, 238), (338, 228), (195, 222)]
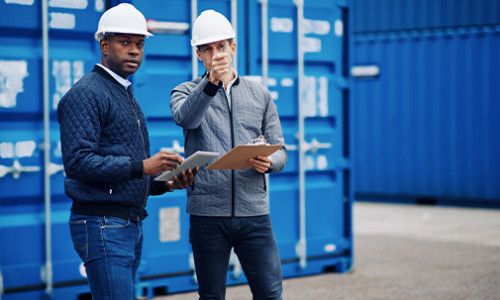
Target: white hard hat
[(209, 27), (123, 18)]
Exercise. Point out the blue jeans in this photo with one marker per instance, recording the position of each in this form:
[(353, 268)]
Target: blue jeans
[(110, 249), (253, 240)]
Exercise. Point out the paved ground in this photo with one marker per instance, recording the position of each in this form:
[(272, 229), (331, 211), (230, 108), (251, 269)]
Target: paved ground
[(407, 252)]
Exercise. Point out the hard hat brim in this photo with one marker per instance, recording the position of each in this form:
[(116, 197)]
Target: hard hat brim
[(212, 39), (100, 34)]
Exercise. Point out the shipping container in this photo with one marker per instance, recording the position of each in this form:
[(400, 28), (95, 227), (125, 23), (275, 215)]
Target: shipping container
[(39, 61), (298, 49), (425, 92)]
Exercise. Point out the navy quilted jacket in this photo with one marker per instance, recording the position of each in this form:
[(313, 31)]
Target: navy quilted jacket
[(104, 140)]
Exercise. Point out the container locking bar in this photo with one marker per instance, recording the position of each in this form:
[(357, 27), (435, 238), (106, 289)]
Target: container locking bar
[(17, 169)]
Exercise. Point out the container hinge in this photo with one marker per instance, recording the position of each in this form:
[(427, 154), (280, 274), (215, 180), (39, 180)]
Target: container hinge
[(300, 250)]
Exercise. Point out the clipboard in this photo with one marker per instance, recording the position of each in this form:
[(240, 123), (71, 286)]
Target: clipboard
[(194, 160), (238, 157)]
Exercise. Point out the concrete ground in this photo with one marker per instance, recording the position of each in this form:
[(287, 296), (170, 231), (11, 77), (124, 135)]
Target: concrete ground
[(407, 252)]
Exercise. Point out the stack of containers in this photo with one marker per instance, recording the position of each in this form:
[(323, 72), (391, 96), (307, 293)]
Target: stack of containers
[(299, 49), (426, 91), (39, 61)]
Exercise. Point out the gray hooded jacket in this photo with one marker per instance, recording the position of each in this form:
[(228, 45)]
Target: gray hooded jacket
[(202, 110)]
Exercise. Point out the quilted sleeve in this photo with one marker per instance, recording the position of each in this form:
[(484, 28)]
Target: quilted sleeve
[(274, 135), (81, 114), (189, 102)]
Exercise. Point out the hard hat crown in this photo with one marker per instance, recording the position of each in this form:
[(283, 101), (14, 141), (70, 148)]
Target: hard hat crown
[(209, 27), (123, 18)]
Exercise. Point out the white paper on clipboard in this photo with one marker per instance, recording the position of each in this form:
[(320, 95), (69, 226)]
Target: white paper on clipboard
[(195, 160)]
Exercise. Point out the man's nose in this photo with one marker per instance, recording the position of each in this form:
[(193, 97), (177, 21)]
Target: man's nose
[(134, 50)]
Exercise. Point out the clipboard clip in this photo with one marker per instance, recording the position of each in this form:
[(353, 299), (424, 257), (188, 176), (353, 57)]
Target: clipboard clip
[(260, 141)]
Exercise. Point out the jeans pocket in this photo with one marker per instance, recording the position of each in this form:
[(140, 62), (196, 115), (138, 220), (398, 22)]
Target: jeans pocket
[(114, 222), (80, 238)]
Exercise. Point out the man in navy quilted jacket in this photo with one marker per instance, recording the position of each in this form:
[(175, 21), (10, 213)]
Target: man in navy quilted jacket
[(105, 148)]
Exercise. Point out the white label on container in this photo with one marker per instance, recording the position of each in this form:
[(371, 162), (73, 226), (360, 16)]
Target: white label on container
[(322, 100), (20, 149), (25, 148), (321, 162), (12, 73), (57, 150), (274, 95), (287, 82), (319, 27), (170, 224), (315, 96), (272, 81), (339, 28), (99, 5), (6, 150), (62, 21), (330, 247), (311, 44), (281, 25), (309, 162), (21, 2), (66, 73), (365, 71), (74, 4)]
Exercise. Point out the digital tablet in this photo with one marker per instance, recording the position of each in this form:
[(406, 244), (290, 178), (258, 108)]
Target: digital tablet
[(195, 160)]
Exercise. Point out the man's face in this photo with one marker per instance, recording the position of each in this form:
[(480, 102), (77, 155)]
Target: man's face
[(208, 51), (122, 53)]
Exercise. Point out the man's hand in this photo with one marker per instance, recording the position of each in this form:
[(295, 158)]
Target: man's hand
[(161, 162), (221, 67), (261, 163), (183, 180)]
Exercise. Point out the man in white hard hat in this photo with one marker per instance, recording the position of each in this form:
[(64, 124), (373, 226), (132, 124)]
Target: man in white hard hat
[(229, 208), (105, 150)]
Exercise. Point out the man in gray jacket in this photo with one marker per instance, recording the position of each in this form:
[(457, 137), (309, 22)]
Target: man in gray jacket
[(229, 208)]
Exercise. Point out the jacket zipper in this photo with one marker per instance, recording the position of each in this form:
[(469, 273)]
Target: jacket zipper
[(132, 101), (233, 179)]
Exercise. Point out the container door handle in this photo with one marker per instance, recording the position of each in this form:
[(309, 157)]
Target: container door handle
[(176, 148), (54, 168), (17, 169)]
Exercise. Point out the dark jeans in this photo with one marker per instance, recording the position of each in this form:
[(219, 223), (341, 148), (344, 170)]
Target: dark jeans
[(253, 240), (110, 249)]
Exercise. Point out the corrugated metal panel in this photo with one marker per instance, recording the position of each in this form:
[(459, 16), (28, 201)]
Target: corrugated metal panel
[(325, 124), (396, 15), (167, 265), (425, 127), (73, 52)]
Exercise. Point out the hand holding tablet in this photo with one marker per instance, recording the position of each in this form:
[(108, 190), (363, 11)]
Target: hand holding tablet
[(195, 160)]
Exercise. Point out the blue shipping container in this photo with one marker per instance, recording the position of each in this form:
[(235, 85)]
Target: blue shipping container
[(303, 59), (426, 105)]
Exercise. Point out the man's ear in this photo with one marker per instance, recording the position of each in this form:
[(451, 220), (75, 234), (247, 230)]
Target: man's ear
[(104, 44), (233, 48), (199, 54)]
